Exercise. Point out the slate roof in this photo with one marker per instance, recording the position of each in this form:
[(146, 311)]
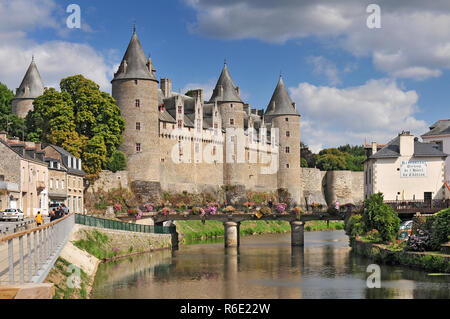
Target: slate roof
[(392, 150), (65, 159), (441, 127), (166, 117), (281, 103), (229, 89), (31, 86), (136, 63)]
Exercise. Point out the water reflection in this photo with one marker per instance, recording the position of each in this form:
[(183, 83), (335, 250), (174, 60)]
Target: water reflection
[(263, 267)]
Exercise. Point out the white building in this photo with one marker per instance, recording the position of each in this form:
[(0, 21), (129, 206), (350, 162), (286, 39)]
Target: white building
[(405, 169), (440, 135)]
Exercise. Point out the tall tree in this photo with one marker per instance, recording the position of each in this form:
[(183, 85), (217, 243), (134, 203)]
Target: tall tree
[(80, 118), (331, 160), (9, 122)]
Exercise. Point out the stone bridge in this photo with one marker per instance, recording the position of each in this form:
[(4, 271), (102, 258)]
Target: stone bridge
[(232, 221)]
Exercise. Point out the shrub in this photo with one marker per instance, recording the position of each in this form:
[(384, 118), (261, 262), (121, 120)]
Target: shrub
[(441, 229), (354, 226), (419, 241), (117, 162), (381, 216)]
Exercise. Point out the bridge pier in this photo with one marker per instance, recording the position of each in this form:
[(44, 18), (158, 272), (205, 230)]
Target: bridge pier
[(297, 234), (232, 238)]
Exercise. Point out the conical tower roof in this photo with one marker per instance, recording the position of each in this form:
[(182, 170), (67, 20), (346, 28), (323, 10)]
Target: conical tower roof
[(281, 103), (135, 65), (229, 93), (31, 86)]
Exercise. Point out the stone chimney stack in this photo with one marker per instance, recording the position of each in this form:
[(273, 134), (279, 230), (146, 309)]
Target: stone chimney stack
[(374, 148), (198, 94), (406, 144), (166, 87)]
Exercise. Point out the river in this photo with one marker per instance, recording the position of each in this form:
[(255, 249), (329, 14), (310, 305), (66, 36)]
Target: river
[(263, 267)]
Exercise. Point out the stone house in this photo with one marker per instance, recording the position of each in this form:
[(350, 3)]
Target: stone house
[(66, 178), (24, 176), (439, 134), (406, 169)]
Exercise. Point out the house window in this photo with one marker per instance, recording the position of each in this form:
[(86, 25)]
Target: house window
[(231, 121), (51, 183), (138, 147), (138, 126), (138, 103), (288, 134), (57, 184), (288, 149), (62, 184)]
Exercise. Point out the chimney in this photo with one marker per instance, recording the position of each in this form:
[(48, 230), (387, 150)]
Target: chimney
[(374, 148), (406, 144), (3, 136), (38, 146), (166, 87)]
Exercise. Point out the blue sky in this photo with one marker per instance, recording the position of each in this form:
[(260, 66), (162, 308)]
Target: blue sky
[(350, 82)]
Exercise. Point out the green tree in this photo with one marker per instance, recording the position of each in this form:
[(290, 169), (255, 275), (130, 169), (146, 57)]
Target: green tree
[(380, 216), (355, 163), (307, 155), (9, 122), (80, 118), (117, 162), (303, 163), (331, 160)]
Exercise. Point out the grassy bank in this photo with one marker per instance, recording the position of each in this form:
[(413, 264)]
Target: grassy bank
[(194, 230), (98, 245), (59, 276), (430, 261)]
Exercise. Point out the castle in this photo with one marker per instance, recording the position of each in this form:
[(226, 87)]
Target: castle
[(176, 142)]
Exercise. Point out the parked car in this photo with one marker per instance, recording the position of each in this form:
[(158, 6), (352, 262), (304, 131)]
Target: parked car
[(55, 206), (12, 214), (405, 230)]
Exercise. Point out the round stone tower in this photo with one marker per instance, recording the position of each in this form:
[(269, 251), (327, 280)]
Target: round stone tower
[(283, 115), (30, 88), (231, 108), (135, 89)]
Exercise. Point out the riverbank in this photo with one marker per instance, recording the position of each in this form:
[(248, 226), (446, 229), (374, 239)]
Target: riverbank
[(196, 230), (74, 272), (429, 261)]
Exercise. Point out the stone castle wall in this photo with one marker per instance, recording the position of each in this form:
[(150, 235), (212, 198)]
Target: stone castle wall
[(317, 186)]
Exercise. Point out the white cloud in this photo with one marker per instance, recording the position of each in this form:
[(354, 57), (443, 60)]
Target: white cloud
[(329, 69), (377, 110), (55, 59), (414, 41)]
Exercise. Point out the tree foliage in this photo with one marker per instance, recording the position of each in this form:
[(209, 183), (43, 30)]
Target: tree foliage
[(331, 160), (9, 122), (80, 118), (117, 162), (380, 216)]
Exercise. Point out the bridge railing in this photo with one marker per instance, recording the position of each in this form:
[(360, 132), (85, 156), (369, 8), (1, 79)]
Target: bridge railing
[(28, 256), (413, 206), (87, 220)]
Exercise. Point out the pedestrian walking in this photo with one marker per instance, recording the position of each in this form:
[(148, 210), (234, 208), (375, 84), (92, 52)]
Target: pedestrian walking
[(52, 215), (38, 219)]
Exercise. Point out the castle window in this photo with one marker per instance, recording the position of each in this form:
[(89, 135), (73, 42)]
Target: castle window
[(287, 119), (138, 126), (164, 125), (231, 121), (197, 148), (214, 151), (180, 124), (288, 166), (138, 147), (136, 82), (288, 134), (138, 103), (288, 149), (180, 110)]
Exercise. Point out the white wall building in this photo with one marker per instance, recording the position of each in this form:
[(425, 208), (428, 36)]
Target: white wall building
[(440, 135), (405, 169)]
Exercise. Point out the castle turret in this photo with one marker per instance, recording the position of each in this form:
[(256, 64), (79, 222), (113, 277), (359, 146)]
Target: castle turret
[(135, 88), (231, 108), (282, 114), (30, 88)]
